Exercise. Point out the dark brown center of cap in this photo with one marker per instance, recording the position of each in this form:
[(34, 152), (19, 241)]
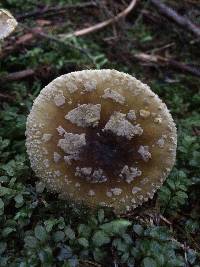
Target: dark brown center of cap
[(106, 151)]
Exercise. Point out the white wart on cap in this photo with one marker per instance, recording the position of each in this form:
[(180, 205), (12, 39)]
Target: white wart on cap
[(7, 23), (101, 137)]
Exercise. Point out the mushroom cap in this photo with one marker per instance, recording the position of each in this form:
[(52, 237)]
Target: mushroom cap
[(101, 137), (7, 23)]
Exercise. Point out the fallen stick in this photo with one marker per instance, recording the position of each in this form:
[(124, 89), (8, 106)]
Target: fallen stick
[(105, 23), (55, 9), (170, 62), (18, 75), (183, 22), (43, 73)]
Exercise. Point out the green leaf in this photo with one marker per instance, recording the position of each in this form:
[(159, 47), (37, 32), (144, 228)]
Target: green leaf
[(171, 184), (158, 232), (3, 246), (40, 233), (30, 241), (49, 224), (6, 191), (191, 255), (70, 233), (99, 255), (181, 194), (125, 257), (120, 245), (19, 200), (100, 238), (149, 262), (1, 206), (127, 238), (4, 179), (83, 242), (177, 262), (64, 253), (58, 236), (84, 230), (115, 227), (6, 231), (101, 215), (138, 229), (135, 252), (45, 255)]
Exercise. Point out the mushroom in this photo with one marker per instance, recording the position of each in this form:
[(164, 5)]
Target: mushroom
[(7, 23), (101, 137)]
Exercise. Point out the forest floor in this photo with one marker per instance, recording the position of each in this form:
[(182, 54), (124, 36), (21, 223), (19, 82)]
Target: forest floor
[(38, 229)]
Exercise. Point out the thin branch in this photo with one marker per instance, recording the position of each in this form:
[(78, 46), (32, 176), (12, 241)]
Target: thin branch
[(165, 219), (159, 49), (105, 23), (18, 75), (55, 10), (169, 62), (183, 22)]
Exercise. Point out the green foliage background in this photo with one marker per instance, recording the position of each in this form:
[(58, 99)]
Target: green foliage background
[(38, 229)]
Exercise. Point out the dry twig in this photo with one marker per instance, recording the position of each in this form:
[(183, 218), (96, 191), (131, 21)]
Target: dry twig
[(183, 22), (165, 219), (169, 62), (105, 23), (19, 75), (44, 73)]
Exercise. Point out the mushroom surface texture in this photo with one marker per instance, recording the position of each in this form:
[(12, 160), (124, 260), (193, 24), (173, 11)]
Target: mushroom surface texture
[(7, 23), (101, 137)]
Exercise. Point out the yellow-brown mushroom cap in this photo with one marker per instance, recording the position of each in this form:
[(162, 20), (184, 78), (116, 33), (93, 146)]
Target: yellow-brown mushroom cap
[(7, 23), (102, 137)]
